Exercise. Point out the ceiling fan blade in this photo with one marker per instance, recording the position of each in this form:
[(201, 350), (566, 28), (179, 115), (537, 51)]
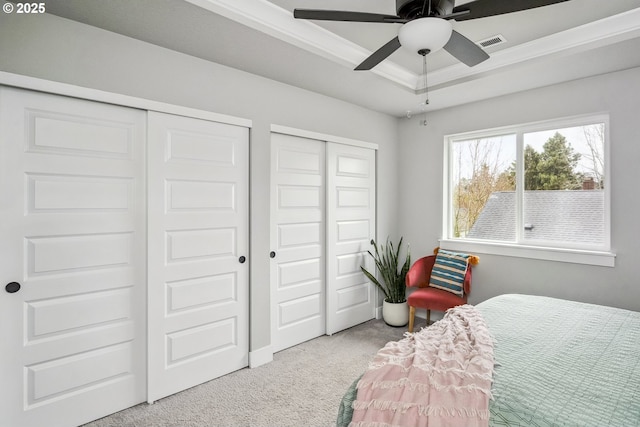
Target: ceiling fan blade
[(341, 15), (379, 55), (465, 50), (455, 15), (484, 8)]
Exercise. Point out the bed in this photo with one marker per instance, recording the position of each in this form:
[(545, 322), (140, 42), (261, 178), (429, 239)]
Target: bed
[(558, 363)]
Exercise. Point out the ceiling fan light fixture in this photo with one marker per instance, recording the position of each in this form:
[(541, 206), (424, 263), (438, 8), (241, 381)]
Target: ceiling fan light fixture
[(425, 33)]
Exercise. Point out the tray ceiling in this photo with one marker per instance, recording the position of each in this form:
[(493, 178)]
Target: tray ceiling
[(547, 45)]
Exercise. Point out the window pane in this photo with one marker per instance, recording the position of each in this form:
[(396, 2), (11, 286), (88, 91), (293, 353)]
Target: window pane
[(564, 187), (482, 191)]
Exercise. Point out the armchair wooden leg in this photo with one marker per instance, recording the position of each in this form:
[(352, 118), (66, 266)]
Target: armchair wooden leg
[(428, 317), (412, 313)]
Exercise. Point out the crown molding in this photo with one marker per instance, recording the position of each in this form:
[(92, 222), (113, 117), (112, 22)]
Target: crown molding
[(268, 18), (604, 32), (264, 16)]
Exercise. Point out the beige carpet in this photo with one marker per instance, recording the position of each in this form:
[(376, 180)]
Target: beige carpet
[(303, 386)]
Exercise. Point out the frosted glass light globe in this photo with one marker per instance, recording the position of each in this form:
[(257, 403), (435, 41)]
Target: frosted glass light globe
[(425, 33)]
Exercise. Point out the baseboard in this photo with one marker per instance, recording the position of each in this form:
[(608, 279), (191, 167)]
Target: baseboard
[(379, 313), (260, 357)]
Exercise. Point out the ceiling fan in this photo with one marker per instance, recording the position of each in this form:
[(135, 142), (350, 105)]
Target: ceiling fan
[(427, 27)]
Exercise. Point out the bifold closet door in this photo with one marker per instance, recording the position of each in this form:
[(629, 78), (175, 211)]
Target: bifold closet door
[(351, 224), (198, 248), (297, 239), (72, 221)]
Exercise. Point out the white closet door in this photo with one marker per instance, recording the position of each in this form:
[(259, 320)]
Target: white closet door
[(351, 210), (72, 221), (198, 243), (297, 237)]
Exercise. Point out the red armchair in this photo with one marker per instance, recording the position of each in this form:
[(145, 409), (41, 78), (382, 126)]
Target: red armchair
[(428, 297)]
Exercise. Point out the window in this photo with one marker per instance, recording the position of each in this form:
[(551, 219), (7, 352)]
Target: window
[(536, 186)]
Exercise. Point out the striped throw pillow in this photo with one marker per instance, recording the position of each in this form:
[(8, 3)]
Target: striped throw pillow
[(448, 271)]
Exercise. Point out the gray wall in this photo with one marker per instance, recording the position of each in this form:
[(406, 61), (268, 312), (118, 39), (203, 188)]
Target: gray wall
[(421, 175), (57, 49)]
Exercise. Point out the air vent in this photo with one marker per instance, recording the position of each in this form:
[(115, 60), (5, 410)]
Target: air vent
[(492, 41)]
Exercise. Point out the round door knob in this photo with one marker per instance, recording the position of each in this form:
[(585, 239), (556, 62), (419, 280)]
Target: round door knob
[(242, 259), (12, 287), (272, 254)]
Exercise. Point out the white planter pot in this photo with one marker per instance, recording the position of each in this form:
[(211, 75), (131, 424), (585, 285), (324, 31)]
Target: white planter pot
[(395, 314)]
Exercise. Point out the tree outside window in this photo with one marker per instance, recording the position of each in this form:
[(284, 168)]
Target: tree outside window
[(481, 167)]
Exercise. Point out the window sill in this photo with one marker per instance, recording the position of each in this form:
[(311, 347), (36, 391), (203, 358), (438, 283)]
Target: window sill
[(598, 258)]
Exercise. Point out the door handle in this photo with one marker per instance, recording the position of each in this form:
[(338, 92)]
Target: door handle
[(242, 259), (12, 287), (272, 254)]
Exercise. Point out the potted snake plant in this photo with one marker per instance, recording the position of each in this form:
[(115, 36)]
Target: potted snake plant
[(392, 272)]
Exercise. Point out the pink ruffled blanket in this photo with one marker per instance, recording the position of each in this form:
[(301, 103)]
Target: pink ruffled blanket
[(440, 376)]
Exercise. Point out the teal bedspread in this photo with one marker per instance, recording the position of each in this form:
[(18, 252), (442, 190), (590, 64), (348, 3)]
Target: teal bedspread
[(559, 363)]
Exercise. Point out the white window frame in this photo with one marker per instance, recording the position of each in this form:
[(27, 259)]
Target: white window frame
[(600, 255)]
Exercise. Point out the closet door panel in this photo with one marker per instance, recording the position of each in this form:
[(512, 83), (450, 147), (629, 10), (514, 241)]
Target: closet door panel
[(351, 208), (297, 237), (198, 243), (72, 220)]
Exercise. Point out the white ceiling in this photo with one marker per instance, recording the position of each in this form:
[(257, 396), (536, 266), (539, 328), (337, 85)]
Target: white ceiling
[(547, 45)]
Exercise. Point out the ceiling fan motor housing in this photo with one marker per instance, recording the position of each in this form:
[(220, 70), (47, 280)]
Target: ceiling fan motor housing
[(411, 9)]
